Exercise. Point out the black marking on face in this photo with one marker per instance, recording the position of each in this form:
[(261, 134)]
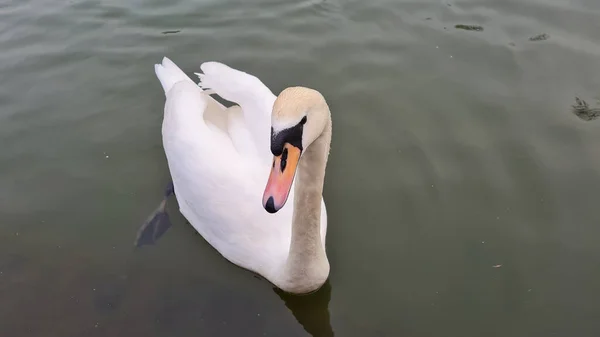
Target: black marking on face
[(292, 136), (284, 156)]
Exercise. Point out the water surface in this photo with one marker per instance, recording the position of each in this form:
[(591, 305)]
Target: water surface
[(462, 192)]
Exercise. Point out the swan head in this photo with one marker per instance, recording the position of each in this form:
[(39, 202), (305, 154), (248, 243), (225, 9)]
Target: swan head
[(298, 118)]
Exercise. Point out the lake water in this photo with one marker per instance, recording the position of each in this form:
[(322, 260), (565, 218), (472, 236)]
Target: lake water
[(463, 193)]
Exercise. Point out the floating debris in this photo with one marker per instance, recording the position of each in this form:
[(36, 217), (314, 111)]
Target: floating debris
[(497, 266), (512, 44), (171, 32), (474, 28), (582, 110), (541, 37)]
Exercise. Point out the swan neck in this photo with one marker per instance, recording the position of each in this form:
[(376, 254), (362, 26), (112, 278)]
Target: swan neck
[(307, 266)]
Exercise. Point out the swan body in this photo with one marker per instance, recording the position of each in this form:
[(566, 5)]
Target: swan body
[(225, 161)]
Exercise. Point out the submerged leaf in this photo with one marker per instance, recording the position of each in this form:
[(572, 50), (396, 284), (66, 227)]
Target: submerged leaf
[(475, 28)]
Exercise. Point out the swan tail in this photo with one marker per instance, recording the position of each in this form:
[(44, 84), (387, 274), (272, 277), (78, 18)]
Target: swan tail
[(169, 74), (157, 223)]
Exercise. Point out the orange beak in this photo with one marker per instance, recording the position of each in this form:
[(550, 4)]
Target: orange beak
[(281, 178)]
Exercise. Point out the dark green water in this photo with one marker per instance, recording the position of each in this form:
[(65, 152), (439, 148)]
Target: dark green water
[(454, 151)]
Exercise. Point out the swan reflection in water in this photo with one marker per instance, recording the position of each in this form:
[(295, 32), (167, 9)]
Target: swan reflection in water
[(312, 310)]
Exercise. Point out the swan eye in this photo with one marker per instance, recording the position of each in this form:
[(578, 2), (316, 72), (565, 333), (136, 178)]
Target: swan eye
[(291, 136), (284, 156)]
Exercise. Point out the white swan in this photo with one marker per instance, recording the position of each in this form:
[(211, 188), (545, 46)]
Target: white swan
[(225, 161)]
